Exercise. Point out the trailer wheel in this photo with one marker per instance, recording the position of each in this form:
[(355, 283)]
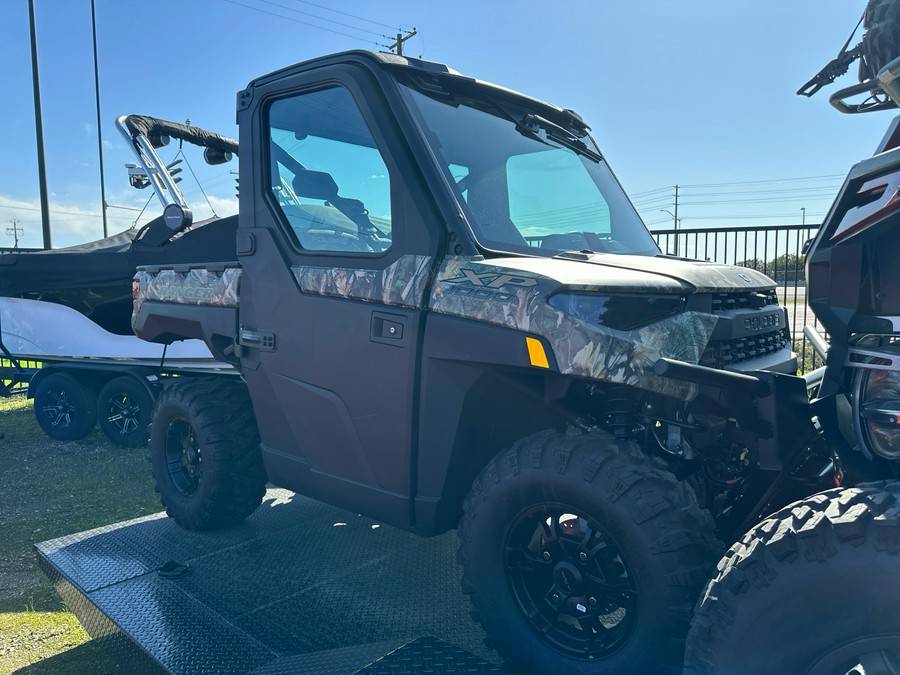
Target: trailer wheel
[(811, 589), (204, 449), (125, 410), (65, 409), (581, 555)]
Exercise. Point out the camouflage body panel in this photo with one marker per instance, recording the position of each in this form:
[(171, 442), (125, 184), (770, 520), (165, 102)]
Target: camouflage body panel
[(641, 274), (401, 283), (517, 298), (190, 287)]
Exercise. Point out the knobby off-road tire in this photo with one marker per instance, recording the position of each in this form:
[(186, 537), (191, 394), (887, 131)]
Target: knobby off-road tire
[(812, 589), (881, 42), (607, 588), (125, 411), (204, 449), (65, 409)]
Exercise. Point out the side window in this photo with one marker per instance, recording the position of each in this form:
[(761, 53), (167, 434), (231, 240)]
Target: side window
[(551, 193), (459, 173), (327, 174)]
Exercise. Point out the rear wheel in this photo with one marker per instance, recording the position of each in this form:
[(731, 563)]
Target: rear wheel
[(811, 589), (65, 409), (581, 555), (125, 410), (204, 448)]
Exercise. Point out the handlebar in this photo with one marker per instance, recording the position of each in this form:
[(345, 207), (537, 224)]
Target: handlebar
[(883, 90), (871, 104)]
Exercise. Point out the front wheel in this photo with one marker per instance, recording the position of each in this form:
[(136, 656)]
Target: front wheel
[(581, 555), (811, 589), (204, 449)]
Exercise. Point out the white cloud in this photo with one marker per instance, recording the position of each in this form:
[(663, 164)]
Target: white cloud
[(70, 223), (224, 206), (74, 222), (87, 128)]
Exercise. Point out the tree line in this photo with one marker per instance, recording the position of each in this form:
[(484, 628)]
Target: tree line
[(786, 268)]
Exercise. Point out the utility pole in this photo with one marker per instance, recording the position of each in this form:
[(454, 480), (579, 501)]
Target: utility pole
[(15, 231), (39, 131), (398, 45), (677, 221), (99, 125), (803, 213)]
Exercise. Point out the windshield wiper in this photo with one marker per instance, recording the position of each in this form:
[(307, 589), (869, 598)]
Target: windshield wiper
[(532, 124), (583, 254)]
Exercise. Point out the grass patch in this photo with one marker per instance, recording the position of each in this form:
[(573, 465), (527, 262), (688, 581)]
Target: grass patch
[(50, 489)]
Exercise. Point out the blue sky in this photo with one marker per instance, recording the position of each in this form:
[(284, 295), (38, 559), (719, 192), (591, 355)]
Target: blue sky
[(698, 93)]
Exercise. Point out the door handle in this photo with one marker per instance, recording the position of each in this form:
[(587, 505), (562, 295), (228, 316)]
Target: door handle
[(388, 328)]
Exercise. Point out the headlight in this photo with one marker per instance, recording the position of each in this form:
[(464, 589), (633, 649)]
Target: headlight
[(620, 312)]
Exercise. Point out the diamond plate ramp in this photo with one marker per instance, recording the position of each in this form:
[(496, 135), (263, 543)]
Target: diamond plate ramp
[(299, 587)]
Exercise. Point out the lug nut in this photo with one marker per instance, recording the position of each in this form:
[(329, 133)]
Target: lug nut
[(592, 602), (582, 557), (554, 598), (546, 555)]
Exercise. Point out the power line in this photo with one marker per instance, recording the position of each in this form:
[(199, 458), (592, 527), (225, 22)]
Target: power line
[(354, 16), (761, 200), (756, 216), (759, 182), (305, 23), (745, 182), (64, 213), (322, 18), (649, 192)]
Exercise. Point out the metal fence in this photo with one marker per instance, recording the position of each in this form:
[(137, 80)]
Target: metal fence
[(775, 250), (7, 249)]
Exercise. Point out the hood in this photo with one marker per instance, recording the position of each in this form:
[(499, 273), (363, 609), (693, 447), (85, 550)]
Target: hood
[(634, 273)]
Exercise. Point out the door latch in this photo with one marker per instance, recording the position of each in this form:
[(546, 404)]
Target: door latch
[(257, 339)]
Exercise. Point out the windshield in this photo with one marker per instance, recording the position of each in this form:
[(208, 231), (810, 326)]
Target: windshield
[(527, 184)]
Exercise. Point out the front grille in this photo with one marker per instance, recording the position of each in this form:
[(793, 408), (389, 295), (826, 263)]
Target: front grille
[(724, 353), (748, 300)]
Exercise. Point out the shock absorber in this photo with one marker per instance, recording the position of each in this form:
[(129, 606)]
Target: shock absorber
[(621, 412)]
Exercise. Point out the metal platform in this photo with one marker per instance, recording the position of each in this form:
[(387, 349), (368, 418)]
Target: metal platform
[(300, 587)]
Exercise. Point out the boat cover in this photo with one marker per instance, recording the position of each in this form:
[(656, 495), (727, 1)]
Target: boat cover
[(95, 278)]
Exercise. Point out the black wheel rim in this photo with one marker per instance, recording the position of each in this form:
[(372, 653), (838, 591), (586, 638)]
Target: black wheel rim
[(570, 581), (58, 408), (874, 655), (183, 459), (123, 413)]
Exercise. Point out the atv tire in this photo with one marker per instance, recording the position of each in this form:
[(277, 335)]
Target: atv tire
[(810, 589), (881, 42), (581, 555), (204, 449), (125, 411), (65, 409)]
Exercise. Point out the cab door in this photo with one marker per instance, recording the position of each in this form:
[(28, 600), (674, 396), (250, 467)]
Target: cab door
[(337, 251)]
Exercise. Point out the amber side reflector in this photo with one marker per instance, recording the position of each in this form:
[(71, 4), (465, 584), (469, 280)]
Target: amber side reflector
[(536, 353)]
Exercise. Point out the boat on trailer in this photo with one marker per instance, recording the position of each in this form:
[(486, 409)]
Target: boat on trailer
[(65, 314)]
